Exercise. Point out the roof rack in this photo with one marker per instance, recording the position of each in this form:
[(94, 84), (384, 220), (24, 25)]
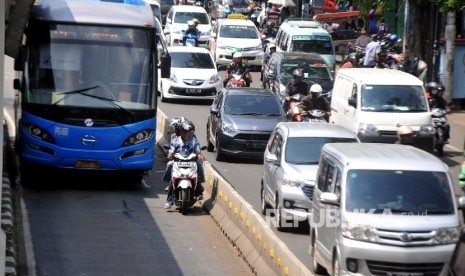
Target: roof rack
[(303, 23)]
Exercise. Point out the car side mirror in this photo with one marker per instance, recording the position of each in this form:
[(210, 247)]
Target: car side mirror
[(270, 75), (353, 102), (166, 32), (20, 60), (329, 198), (214, 111), (461, 203), (168, 20), (16, 84), (271, 158)]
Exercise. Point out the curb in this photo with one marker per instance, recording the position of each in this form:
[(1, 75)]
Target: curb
[(7, 223), (259, 246)]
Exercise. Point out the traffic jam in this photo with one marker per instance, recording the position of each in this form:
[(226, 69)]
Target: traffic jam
[(345, 143)]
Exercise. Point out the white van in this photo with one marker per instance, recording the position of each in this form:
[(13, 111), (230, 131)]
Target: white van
[(374, 103), (306, 36), (383, 209)]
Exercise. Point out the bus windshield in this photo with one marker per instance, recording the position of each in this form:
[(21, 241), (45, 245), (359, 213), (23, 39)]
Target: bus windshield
[(107, 67)]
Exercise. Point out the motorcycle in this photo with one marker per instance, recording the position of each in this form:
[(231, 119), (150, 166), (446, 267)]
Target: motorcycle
[(317, 115), (238, 80), (190, 39), (295, 109), (439, 123), (184, 181)]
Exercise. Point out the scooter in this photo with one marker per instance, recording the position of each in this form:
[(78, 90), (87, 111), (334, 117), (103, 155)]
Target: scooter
[(190, 39), (295, 110), (238, 80), (439, 123), (317, 115), (184, 181)]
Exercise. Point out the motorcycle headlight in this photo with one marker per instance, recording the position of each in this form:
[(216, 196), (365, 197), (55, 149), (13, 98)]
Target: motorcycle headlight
[(214, 79), (228, 127), (173, 78), (367, 128), (447, 235), (359, 232), (427, 129)]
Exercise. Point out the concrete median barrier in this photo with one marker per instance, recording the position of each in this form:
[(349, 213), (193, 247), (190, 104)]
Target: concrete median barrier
[(264, 252)]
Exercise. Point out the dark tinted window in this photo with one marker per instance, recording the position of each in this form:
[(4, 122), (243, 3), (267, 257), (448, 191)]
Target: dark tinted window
[(183, 17), (322, 47), (191, 60), (252, 105), (312, 70), (409, 192), (307, 150), (231, 31)]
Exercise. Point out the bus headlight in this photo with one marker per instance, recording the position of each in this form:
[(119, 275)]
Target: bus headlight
[(39, 133), (138, 137)]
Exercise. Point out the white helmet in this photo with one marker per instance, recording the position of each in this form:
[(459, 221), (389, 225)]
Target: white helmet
[(237, 55), (316, 90)]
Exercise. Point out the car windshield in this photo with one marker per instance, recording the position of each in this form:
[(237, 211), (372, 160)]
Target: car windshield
[(237, 3), (183, 17), (191, 60), (322, 45), (393, 98), (252, 105), (306, 150), (403, 192), (314, 71), (238, 31)]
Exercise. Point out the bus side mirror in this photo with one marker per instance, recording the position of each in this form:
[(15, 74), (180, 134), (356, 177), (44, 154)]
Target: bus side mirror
[(165, 64), (21, 59)]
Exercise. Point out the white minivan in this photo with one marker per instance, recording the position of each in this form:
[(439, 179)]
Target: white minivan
[(297, 35), (374, 103), (383, 209)]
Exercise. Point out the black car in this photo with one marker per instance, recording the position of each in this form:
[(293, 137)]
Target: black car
[(278, 72), (241, 121), (165, 6)]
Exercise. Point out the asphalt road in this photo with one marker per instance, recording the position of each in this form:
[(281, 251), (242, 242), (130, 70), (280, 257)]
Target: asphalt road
[(245, 176), (76, 225)]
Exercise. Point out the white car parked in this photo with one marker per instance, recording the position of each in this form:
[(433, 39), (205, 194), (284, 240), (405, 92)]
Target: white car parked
[(176, 22), (231, 34), (193, 75)]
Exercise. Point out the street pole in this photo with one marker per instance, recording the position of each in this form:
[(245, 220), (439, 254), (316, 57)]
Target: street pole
[(450, 56)]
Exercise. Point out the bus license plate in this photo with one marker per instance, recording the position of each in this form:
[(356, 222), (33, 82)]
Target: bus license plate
[(80, 164), (194, 91)]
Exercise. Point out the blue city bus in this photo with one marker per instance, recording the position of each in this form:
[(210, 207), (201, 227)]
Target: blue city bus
[(88, 96)]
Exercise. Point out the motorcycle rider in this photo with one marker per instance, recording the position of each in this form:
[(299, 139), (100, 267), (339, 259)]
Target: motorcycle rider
[(353, 61), (269, 30), (405, 136), (295, 86), (265, 58), (186, 143), (436, 100), (239, 67), (191, 30), (315, 101), (196, 23)]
